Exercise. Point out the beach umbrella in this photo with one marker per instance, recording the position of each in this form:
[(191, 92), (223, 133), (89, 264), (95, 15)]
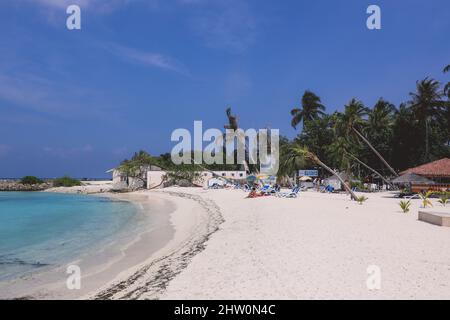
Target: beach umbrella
[(305, 178), (412, 178), (251, 178)]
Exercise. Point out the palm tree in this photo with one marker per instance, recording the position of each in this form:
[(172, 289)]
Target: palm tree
[(376, 152), (296, 153), (312, 108), (379, 126), (353, 118), (447, 86), (446, 115), (233, 125), (381, 117), (366, 166), (232, 120), (344, 123), (426, 103), (337, 150)]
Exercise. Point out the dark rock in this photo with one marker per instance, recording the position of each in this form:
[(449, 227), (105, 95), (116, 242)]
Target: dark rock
[(15, 185)]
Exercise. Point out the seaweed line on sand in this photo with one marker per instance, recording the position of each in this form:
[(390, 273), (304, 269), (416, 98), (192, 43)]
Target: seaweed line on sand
[(150, 281)]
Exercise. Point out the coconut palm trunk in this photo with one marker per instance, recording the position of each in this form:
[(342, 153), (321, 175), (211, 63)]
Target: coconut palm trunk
[(371, 169), (314, 158), (233, 125), (427, 146), (375, 151)]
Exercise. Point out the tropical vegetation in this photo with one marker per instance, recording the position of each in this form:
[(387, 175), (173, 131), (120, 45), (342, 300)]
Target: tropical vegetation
[(66, 181), (405, 205), (364, 141), (30, 180)]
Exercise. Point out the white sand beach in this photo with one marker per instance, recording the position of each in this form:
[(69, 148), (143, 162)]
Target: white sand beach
[(220, 245), (318, 246)]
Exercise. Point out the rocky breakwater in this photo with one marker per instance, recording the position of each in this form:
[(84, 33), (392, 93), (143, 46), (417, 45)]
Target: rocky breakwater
[(16, 185)]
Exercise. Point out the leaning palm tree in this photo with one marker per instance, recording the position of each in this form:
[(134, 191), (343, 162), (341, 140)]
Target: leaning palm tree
[(297, 153), (447, 86), (353, 118), (312, 108), (337, 151), (370, 168), (375, 151), (426, 103), (233, 125), (381, 117)]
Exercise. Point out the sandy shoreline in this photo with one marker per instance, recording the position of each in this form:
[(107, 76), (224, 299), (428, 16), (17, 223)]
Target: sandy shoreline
[(102, 272), (318, 246), (194, 221)]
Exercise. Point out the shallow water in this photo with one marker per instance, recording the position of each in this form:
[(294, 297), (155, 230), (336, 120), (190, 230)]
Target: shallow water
[(39, 230)]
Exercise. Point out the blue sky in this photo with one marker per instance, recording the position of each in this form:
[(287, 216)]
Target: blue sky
[(78, 102)]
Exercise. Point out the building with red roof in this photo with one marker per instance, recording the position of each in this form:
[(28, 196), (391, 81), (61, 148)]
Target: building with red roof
[(438, 171)]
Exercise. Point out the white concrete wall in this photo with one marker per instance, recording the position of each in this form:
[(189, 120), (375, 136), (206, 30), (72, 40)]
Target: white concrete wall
[(154, 178), (226, 174)]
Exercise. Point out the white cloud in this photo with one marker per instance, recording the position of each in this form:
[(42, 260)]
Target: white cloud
[(149, 59), (29, 91)]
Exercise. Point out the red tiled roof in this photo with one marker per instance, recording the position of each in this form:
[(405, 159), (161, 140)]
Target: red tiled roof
[(438, 168)]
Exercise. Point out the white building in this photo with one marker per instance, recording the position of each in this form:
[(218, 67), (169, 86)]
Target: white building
[(205, 176), (155, 178), (121, 181)]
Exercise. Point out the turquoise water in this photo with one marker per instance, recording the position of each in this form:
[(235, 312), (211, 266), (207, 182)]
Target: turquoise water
[(39, 229)]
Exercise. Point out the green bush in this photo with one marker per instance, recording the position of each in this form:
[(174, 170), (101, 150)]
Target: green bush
[(66, 181), (361, 199), (358, 185), (443, 200), (405, 205), (31, 180)]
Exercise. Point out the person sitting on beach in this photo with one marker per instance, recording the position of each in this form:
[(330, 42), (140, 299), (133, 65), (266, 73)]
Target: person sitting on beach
[(254, 194)]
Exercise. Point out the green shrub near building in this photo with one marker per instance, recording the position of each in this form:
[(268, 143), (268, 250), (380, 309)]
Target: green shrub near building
[(66, 181)]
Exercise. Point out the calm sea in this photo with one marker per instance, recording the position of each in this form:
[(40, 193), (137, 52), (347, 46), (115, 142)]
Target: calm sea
[(40, 229)]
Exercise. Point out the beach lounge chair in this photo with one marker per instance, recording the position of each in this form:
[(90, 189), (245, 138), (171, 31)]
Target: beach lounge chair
[(267, 190), (292, 194)]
